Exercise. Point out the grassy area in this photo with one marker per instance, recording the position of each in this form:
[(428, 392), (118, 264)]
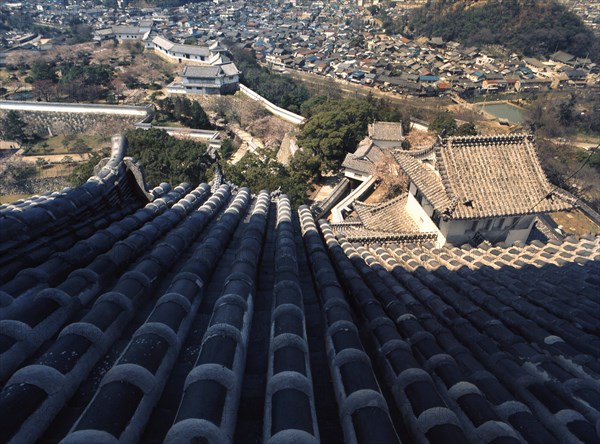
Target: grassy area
[(587, 138), (9, 198), (167, 123), (55, 171), (68, 144), (575, 222)]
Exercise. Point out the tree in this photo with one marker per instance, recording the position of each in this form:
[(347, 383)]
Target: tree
[(166, 158), (330, 135), (566, 111), (81, 33), (43, 70), (261, 171), (466, 129), (12, 126), (335, 127), (227, 149), (198, 118), (443, 124), (257, 171)]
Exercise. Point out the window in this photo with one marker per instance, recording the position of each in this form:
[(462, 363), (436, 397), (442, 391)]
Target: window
[(419, 196), (497, 223), (484, 224)]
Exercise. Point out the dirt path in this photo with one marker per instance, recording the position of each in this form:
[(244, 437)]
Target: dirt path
[(56, 158), (249, 143)]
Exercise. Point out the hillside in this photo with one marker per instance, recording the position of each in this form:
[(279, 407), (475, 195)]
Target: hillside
[(529, 27)]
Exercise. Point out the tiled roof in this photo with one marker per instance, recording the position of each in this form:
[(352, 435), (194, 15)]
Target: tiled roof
[(201, 71), (389, 131), (364, 158), (208, 314), (229, 69), (176, 47), (382, 223), (387, 216), (511, 351), (483, 176), (363, 166), (363, 148)]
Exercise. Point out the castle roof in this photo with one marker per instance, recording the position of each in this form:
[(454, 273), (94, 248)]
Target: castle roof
[(477, 177), (207, 313)]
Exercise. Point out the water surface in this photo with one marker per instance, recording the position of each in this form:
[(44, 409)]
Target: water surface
[(512, 113)]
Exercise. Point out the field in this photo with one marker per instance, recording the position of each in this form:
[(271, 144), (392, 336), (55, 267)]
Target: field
[(68, 145)]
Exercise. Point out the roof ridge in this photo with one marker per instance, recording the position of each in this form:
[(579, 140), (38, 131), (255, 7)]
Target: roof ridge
[(446, 181), (381, 236)]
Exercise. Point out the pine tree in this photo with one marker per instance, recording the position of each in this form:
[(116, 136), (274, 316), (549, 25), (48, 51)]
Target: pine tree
[(12, 127)]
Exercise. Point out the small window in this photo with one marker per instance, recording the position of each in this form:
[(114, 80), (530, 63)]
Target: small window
[(419, 196), (484, 224), (498, 223)]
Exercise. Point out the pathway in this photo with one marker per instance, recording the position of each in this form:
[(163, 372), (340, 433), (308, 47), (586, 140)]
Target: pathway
[(249, 143)]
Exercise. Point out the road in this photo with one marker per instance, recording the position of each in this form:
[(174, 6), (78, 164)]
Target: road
[(323, 85)]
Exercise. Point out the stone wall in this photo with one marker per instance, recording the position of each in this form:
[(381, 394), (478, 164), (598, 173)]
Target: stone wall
[(35, 185), (46, 123)]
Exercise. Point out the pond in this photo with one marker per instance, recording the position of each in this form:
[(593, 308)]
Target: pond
[(512, 113)]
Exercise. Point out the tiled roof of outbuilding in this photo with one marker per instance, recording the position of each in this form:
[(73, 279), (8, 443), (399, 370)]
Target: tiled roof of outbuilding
[(483, 176), (364, 158), (390, 215), (361, 165), (211, 314), (384, 222), (388, 131)]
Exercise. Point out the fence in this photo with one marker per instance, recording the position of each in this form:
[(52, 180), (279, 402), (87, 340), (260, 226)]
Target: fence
[(82, 108), (274, 109)]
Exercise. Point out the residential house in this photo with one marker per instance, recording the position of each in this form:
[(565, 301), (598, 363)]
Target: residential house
[(525, 85)]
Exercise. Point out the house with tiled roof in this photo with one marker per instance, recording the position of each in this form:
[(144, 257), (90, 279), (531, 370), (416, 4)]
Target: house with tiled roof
[(208, 79), (206, 70), (360, 164), (482, 187), (179, 53), (385, 222), (386, 135), (207, 313), (125, 33), (382, 137)]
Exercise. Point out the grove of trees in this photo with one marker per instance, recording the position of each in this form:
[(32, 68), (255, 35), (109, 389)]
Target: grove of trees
[(278, 89), (261, 171), (71, 81), (529, 27), (181, 109), (445, 124), (335, 127), (167, 159)]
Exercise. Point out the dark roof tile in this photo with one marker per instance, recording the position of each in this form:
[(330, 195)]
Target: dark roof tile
[(114, 302)]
